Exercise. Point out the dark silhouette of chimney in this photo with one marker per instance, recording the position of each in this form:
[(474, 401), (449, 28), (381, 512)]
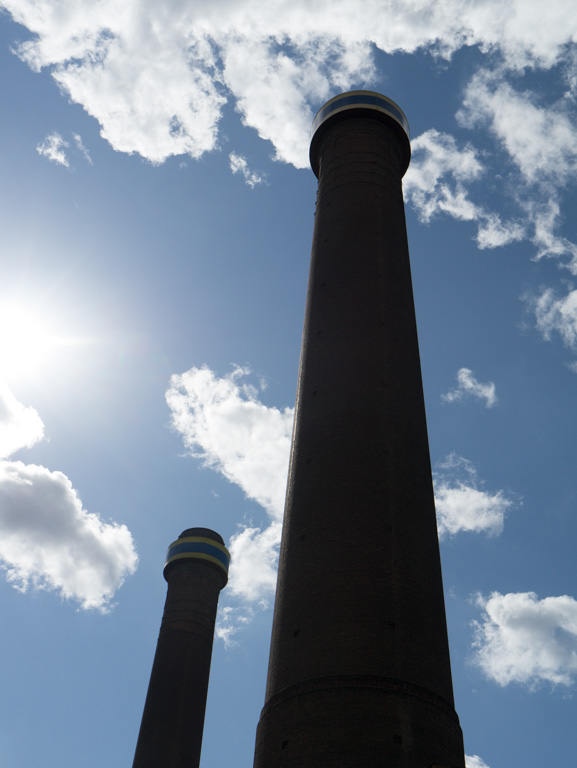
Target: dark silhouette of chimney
[(196, 570), (359, 672)]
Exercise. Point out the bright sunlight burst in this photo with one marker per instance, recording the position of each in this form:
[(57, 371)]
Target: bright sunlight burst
[(25, 340)]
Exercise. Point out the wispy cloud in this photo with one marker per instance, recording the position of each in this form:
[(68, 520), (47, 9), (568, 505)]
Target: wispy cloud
[(468, 386), (436, 159), (556, 314), (541, 141), (238, 164), (463, 504), (546, 218), (522, 639), (437, 183), (81, 148), (53, 147)]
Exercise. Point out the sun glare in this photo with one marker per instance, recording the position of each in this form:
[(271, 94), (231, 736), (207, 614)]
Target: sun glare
[(25, 341)]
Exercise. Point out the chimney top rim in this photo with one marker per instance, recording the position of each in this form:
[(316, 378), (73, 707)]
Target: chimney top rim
[(360, 100)]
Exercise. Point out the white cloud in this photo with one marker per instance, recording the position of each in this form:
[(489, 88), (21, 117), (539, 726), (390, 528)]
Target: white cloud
[(521, 639), (156, 76), (435, 156), (231, 619), (20, 426), (541, 142), (474, 761), (254, 555), (53, 147), (462, 505), (238, 164), (556, 314), (435, 183), (48, 541), (175, 107), (541, 139), (276, 85), (467, 384), (494, 233), (222, 422)]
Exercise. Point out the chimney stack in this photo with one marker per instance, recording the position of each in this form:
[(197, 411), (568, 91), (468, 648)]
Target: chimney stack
[(196, 569), (359, 672)]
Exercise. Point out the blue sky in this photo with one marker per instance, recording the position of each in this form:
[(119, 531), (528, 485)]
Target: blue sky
[(156, 213)]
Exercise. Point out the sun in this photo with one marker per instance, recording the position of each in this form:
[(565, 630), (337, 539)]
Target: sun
[(25, 340)]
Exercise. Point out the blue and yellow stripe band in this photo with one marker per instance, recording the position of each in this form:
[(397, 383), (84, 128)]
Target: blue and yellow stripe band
[(199, 548)]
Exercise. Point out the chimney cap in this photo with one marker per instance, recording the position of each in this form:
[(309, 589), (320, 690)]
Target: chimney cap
[(199, 544), (357, 104)]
